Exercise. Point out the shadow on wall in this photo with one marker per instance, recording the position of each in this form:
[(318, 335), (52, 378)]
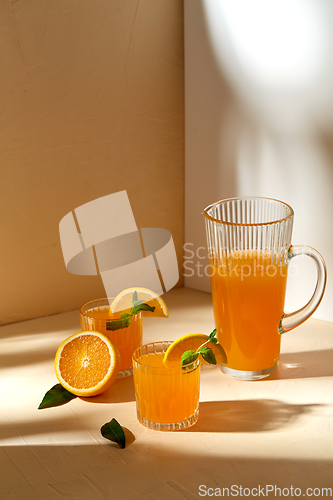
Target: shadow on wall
[(277, 58), (266, 112)]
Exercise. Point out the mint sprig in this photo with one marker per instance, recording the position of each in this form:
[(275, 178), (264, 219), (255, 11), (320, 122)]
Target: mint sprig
[(142, 307), (212, 337), (190, 356), (208, 355), (116, 324), (125, 319)]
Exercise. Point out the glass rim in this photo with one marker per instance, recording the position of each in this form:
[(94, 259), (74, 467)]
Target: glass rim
[(184, 369), (108, 301), (241, 224), (94, 300)]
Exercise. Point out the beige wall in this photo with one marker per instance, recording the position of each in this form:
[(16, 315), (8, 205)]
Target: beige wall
[(259, 122), (91, 96)]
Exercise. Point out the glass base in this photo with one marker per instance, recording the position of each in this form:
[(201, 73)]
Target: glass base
[(249, 375), (125, 373), (177, 426)]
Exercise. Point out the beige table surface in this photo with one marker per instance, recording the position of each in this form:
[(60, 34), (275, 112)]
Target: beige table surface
[(277, 432)]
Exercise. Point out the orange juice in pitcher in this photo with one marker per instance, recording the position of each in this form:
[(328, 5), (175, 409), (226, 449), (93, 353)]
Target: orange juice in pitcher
[(248, 293)]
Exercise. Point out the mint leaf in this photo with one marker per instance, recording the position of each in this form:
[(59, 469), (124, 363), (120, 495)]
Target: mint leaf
[(139, 305), (125, 319), (188, 357), (212, 336), (208, 355), (116, 324), (142, 307), (138, 302), (135, 298), (56, 396), (114, 432)]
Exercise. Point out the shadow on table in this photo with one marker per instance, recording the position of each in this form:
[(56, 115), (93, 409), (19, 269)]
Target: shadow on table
[(215, 416), (47, 324), (24, 358), (307, 364), (156, 470), (122, 391), (41, 346), (255, 415)]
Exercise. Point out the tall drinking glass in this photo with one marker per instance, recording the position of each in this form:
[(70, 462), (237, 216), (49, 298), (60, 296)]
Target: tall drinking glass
[(249, 249)]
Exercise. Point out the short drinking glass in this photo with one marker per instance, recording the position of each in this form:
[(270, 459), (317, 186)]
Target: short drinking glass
[(167, 398), (96, 315)]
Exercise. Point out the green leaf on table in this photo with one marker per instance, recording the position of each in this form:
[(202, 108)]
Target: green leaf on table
[(114, 432), (208, 355), (188, 357), (56, 396)]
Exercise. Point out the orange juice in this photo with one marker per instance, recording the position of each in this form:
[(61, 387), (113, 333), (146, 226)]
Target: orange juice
[(101, 319), (248, 294), (165, 395)]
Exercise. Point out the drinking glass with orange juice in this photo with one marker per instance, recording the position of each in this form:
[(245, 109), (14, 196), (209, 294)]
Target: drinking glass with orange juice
[(167, 396), (120, 319), (96, 315), (249, 249), (167, 379)]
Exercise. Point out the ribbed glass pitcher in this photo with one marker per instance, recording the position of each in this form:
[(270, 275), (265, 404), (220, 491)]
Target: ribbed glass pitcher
[(249, 249)]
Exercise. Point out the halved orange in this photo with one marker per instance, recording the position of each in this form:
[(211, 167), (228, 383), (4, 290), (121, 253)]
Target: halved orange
[(124, 301), (87, 363), (191, 342)]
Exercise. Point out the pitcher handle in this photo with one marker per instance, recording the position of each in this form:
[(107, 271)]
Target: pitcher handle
[(291, 320)]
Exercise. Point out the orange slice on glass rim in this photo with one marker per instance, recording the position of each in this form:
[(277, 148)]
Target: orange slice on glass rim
[(87, 363), (192, 341), (124, 301)]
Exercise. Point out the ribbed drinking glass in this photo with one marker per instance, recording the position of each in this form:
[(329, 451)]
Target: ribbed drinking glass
[(167, 397), (96, 315)]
